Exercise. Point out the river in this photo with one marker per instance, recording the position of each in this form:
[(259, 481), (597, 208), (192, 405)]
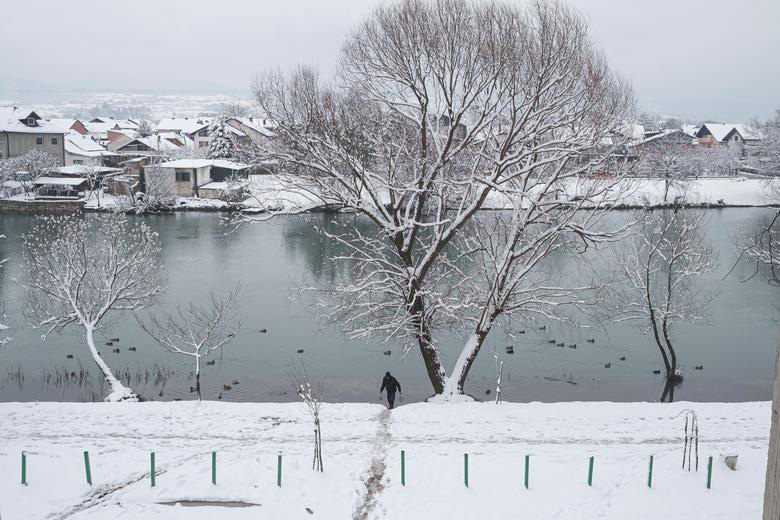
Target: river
[(735, 348)]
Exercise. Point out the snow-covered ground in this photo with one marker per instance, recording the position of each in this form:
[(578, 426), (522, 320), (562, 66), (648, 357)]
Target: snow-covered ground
[(364, 440)]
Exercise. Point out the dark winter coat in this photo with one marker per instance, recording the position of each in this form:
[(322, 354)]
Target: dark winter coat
[(391, 384)]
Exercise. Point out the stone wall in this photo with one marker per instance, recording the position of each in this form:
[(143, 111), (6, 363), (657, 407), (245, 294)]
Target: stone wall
[(41, 206)]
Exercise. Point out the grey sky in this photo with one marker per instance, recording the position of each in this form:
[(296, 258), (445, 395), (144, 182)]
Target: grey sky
[(696, 58)]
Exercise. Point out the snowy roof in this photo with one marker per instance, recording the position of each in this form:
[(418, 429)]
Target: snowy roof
[(221, 186), (154, 142), (255, 124), (81, 169), (718, 130), (182, 138), (747, 132), (11, 121), (182, 125), (63, 122), (690, 130), (77, 144), (157, 143), (202, 163), (63, 181), (661, 135), (119, 123)]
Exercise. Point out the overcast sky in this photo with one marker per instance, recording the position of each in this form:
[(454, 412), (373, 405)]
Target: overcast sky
[(695, 58)]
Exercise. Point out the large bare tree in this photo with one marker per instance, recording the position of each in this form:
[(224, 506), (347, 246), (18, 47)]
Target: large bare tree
[(660, 264), (80, 271), (441, 109), (196, 330)]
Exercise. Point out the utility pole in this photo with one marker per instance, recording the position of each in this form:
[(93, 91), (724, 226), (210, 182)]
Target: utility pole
[(772, 487)]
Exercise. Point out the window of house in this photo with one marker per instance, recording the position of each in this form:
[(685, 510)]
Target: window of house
[(39, 140), (203, 144), (31, 121), (182, 176), (78, 161), (53, 140)]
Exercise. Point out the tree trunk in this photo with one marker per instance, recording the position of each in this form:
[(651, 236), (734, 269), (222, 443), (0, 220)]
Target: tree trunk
[(666, 188), (428, 351), (772, 487), (197, 377), (460, 371), (119, 392)]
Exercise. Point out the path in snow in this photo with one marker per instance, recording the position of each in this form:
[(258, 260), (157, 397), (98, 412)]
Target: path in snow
[(376, 473)]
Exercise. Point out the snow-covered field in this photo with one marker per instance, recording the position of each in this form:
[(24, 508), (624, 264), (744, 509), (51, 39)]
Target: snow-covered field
[(364, 440)]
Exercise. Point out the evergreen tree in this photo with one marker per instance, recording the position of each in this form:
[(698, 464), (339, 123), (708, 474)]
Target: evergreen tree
[(220, 145)]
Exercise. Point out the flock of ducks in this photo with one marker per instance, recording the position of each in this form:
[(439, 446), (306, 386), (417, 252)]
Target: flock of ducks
[(510, 349)]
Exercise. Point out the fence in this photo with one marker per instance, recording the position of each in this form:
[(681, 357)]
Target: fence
[(403, 477)]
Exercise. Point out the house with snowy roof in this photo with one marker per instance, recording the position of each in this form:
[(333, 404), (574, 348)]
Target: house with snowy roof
[(206, 178), (82, 149), (129, 147), (74, 125), (670, 137), (711, 135), (99, 127), (22, 130), (258, 130)]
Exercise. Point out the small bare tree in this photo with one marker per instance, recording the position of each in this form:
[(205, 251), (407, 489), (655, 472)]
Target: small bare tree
[(660, 264), (27, 168), (670, 157), (196, 330), (81, 271), (312, 400), (95, 180)]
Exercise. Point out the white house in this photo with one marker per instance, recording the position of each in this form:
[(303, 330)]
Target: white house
[(22, 130), (187, 177), (81, 149)]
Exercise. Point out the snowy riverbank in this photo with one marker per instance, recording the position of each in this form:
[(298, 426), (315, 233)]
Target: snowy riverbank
[(359, 439), (267, 192)]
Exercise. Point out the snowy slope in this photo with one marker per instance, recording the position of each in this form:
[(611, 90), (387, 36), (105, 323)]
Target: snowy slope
[(361, 440)]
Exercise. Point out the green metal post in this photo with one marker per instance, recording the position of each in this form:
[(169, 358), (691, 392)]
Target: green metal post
[(24, 468), (709, 473), (527, 457), (590, 471), (466, 469), (214, 467), (151, 459), (86, 467), (403, 468), (650, 473), (279, 470)]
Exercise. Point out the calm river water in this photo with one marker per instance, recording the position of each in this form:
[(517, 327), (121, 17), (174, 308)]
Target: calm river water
[(736, 348)]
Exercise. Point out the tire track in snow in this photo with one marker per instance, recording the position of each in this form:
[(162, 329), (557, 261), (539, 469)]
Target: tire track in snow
[(376, 473), (104, 494)]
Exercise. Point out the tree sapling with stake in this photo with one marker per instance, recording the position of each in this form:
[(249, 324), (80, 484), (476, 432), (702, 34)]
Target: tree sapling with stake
[(312, 399)]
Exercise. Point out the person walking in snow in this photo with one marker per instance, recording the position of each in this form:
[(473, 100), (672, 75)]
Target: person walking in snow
[(391, 384)]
